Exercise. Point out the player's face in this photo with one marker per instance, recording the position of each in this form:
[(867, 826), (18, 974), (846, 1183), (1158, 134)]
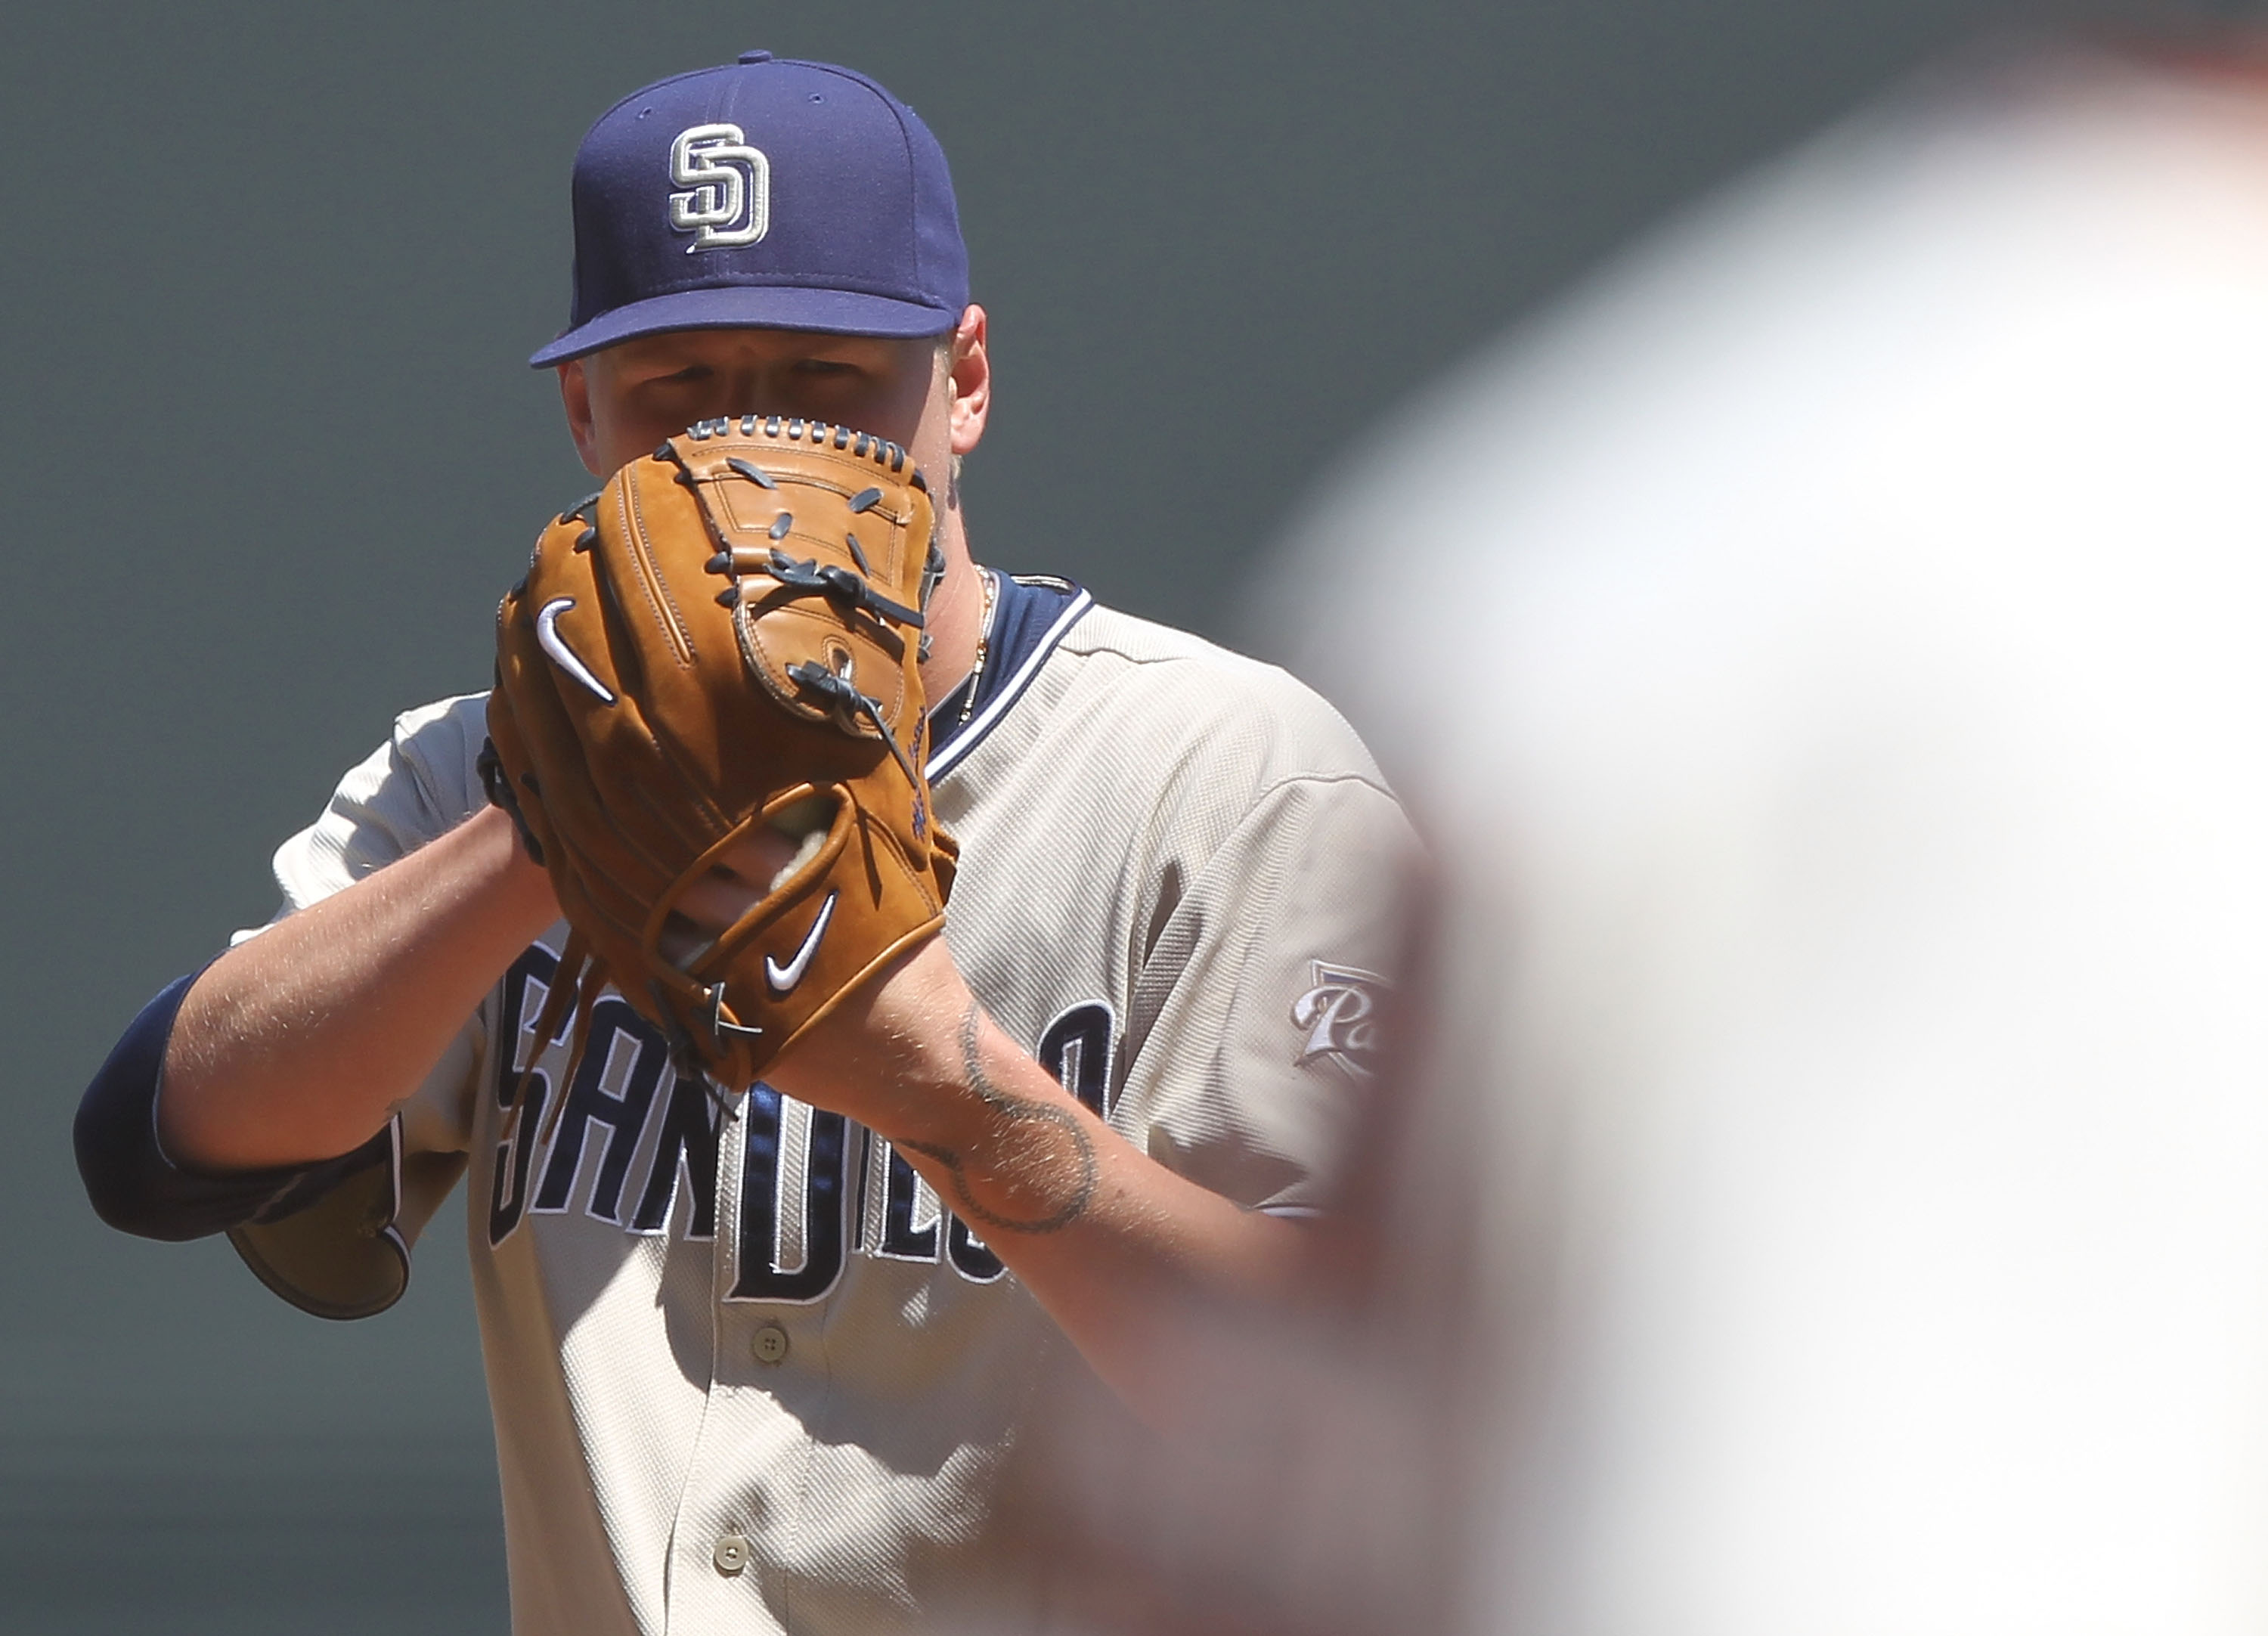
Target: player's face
[(624, 401)]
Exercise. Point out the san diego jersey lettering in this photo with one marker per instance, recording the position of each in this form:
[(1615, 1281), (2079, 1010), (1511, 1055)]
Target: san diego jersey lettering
[(814, 1188)]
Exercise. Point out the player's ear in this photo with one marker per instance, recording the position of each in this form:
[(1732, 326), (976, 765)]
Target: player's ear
[(575, 399), (971, 373)]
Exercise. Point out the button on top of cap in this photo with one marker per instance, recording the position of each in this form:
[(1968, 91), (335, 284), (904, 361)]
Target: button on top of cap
[(756, 56)]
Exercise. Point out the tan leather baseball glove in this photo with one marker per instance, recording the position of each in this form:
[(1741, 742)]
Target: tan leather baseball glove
[(727, 635)]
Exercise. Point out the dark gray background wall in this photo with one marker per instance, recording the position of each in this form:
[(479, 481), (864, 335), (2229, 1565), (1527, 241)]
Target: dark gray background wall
[(268, 453)]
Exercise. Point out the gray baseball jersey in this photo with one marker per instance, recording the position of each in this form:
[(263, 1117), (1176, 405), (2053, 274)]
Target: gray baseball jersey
[(747, 1373)]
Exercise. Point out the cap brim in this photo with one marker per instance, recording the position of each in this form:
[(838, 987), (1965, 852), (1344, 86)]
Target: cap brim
[(750, 306)]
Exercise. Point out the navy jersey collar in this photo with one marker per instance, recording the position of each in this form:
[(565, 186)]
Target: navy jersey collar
[(1031, 615)]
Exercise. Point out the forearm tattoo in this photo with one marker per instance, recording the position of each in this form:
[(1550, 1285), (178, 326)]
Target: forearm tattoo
[(1039, 1171)]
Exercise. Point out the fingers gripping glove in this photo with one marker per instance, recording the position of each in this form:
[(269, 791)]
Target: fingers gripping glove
[(727, 635)]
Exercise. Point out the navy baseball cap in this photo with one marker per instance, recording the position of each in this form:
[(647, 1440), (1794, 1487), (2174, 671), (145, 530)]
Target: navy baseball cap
[(765, 194)]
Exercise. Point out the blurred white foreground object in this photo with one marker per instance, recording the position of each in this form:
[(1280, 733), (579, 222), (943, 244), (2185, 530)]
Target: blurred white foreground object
[(1831, 657)]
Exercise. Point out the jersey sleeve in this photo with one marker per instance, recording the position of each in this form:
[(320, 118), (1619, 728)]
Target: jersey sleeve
[(333, 1236), (344, 1252), (413, 789), (1252, 1027), (416, 786)]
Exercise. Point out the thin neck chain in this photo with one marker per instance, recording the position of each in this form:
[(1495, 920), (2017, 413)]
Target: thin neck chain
[(983, 647)]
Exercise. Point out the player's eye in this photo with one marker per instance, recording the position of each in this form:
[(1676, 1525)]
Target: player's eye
[(669, 379)]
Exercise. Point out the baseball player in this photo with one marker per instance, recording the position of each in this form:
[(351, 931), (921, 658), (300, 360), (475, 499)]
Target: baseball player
[(756, 1359)]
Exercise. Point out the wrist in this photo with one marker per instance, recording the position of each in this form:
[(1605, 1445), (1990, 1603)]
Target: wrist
[(521, 885), (1005, 1145), (913, 1057)]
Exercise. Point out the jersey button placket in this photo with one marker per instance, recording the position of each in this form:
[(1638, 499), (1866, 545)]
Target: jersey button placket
[(730, 1553), (768, 1346)]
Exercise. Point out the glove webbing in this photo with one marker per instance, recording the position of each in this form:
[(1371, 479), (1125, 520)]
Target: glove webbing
[(802, 576), (850, 704)]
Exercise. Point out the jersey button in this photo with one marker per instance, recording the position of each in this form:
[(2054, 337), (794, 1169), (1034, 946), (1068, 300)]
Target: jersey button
[(731, 1554), (769, 1344)]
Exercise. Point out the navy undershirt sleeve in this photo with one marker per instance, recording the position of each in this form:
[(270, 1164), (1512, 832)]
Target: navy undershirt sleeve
[(135, 1188)]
